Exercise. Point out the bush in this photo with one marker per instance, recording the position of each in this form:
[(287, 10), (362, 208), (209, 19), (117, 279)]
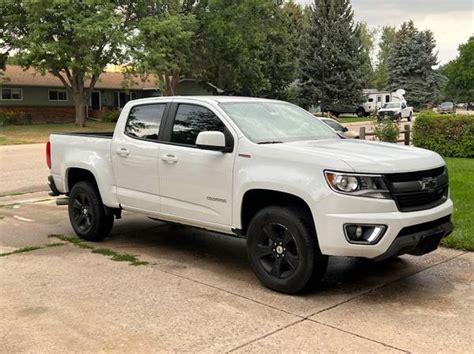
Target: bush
[(110, 116), (8, 118), (387, 130), (449, 135)]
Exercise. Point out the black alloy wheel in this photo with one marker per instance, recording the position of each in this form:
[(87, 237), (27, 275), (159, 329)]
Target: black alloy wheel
[(277, 251)]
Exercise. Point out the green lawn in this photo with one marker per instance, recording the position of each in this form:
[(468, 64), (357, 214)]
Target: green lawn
[(461, 180), (39, 133), (344, 118)]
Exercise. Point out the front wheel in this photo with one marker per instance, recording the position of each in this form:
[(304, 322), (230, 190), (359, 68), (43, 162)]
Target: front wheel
[(87, 214), (283, 249), (410, 116)]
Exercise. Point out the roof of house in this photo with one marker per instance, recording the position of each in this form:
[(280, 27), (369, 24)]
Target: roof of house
[(16, 75)]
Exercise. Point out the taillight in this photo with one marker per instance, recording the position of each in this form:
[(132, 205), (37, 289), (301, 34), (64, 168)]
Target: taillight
[(48, 154)]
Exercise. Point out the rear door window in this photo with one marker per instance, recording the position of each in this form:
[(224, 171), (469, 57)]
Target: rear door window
[(144, 121), (190, 121)]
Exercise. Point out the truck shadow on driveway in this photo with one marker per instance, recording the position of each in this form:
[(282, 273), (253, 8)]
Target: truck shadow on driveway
[(220, 260)]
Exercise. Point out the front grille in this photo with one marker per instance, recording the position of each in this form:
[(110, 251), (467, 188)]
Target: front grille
[(419, 190)]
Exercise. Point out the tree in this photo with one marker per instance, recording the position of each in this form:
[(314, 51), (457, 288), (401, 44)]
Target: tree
[(73, 40), (331, 56), (367, 40), (460, 74), (163, 47), (411, 63), (244, 54), (387, 38)]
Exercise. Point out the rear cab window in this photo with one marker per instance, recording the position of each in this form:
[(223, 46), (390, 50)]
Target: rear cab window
[(144, 121)]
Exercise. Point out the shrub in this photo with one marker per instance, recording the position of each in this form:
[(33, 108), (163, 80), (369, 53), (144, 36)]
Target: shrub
[(8, 118), (449, 135), (110, 116), (387, 130)]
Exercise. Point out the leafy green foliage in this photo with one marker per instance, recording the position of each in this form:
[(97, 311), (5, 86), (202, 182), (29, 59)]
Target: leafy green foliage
[(387, 130), (387, 39), (367, 40), (163, 47), (243, 54), (460, 74), (73, 40), (410, 66), (331, 59), (448, 135), (110, 116)]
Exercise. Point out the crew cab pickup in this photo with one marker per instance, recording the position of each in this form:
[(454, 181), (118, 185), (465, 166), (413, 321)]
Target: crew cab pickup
[(395, 111), (264, 170)]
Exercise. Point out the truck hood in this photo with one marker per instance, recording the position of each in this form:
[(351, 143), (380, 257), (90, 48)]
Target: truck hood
[(389, 110), (367, 156)]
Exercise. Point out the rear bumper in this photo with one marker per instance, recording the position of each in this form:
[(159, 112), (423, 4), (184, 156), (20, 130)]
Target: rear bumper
[(54, 190)]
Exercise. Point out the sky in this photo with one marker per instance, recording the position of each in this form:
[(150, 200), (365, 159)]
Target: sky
[(451, 21)]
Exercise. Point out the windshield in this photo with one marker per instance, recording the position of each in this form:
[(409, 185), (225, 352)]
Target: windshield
[(392, 105), (447, 104), (274, 122)]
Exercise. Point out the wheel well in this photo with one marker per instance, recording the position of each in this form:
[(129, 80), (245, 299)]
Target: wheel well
[(76, 175), (256, 199)]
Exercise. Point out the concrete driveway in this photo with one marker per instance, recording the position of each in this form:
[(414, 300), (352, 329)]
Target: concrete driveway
[(192, 290), (23, 168)]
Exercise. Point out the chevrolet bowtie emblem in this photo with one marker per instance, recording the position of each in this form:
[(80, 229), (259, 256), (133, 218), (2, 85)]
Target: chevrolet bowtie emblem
[(428, 183)]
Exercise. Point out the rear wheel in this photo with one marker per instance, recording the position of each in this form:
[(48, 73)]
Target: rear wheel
[(410, 116), (87, 213), (283, 249)]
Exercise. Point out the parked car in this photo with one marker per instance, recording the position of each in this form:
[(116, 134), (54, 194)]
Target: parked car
[(395, 111), (447, 108), (263, 170), (339, 128)]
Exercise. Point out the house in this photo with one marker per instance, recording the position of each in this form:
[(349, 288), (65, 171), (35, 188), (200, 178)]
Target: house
[(43, 98)]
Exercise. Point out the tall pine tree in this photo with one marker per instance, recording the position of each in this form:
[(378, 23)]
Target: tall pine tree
[(410, 66), (331, 56)]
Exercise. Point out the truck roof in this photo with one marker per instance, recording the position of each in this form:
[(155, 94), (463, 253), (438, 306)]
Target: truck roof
[(209, 99)]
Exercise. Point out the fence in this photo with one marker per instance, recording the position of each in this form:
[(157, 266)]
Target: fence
[(406, 134)]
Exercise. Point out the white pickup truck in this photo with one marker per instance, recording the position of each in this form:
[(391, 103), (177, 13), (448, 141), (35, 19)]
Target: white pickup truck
[(395, 111), (264, 170)]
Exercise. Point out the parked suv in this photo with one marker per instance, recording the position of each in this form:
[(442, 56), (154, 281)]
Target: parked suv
[(263, 170), (447, 107)]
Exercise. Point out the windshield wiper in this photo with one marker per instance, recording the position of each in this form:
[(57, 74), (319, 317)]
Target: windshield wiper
[(270, 142)]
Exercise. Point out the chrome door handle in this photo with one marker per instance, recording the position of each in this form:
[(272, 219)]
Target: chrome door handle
[(123, 152), (169, 158)]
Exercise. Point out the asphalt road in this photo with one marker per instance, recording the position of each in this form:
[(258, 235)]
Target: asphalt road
[(198, 293), (23, 169)]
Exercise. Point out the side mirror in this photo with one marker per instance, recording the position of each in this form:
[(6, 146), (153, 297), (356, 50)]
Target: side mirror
[(211, 140), (404, 106), (345, 129)]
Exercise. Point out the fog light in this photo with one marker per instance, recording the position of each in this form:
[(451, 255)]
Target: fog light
[(363, 233)]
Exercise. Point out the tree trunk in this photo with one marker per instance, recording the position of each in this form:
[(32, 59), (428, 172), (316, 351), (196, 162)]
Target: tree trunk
[(80, 109), (171, 83)]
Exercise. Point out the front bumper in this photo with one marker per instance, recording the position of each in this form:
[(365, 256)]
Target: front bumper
[(331, 213)]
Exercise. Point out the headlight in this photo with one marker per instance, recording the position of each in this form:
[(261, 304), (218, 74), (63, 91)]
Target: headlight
[(370, 186)]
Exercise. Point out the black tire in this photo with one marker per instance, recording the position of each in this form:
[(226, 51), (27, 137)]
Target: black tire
[(410, 117), (360, 112), (87, 213), (278, 232)]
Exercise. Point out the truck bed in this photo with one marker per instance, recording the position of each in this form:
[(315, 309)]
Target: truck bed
[(104, 135)]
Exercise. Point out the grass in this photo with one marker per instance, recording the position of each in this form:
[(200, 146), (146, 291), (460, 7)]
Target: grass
[(114, 256), (39, 133), (461, 181), (31, 248), (353, 119)]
